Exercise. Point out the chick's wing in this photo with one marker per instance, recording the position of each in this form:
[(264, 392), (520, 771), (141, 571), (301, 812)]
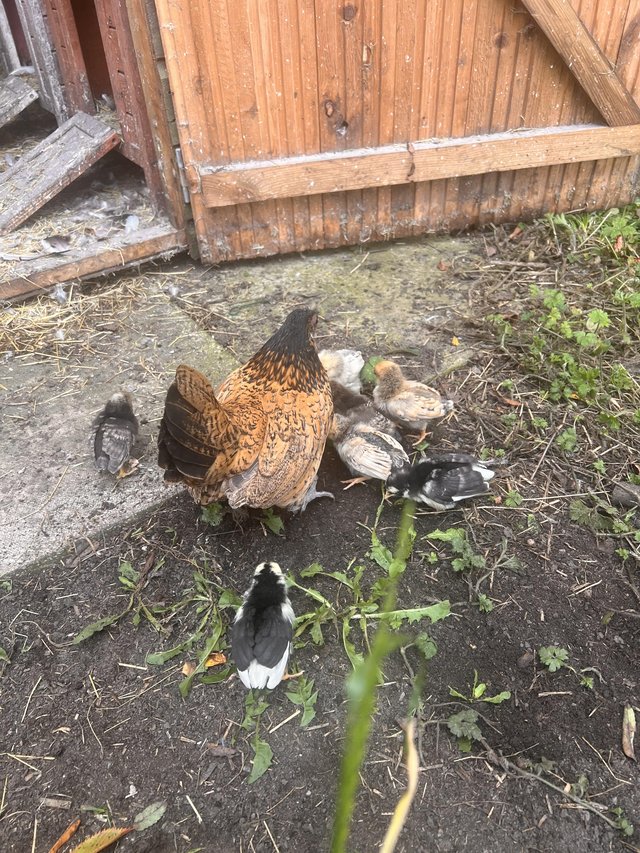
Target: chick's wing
[(418, 401)]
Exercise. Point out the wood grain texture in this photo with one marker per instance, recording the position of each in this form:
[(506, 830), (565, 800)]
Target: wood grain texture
[(271, 81), (65, 41), (9, 59), (15, 96), (418, 161), (128, 92), (34, 25), (51, 166), (596, 74), (150, 243), (143, 27)]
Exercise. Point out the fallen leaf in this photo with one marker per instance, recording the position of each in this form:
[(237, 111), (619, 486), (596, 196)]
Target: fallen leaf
[(490, 251), (455, 342), (619, 244), (443, 265), (497, 499), (216, 659), (517, 231), (102, 840), (188, 669), (147, 817), (628, 732), (508, 401), (66, 835)]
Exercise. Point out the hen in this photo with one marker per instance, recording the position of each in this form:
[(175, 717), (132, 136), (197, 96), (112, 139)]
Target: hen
[(258, 439)]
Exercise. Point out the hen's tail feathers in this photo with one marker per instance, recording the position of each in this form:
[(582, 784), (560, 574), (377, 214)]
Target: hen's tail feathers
[(192, 417)]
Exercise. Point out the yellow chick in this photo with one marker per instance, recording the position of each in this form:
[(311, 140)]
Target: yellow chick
[(410, 404)]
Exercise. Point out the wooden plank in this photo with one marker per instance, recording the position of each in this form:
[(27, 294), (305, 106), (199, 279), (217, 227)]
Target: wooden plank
[(9, 59), (15, 96), (152, 243), (34, 25), (144, 24), (419, 161), (51, 166), (370, 99), (128, 93), (593, 71), (334, 122), (73, 72)]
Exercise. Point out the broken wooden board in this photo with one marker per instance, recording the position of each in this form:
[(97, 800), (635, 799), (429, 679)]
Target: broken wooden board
[(34, 26), (33, 278), (15, 96), (52, 165)]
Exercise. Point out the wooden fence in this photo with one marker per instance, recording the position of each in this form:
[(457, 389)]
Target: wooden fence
[(313, 123)]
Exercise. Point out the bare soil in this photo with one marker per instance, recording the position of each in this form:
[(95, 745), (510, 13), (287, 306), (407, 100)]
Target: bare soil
[(93, 731)]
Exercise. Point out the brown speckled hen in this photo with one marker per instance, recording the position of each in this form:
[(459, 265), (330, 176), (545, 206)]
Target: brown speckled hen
[(258, 439)]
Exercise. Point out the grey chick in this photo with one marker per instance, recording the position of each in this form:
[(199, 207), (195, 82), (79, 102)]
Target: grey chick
[(114, 432), (365, 440), (367, 452), (346, 402), (442, 481)]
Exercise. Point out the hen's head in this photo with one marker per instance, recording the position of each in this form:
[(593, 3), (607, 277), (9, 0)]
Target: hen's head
[(295, 335)]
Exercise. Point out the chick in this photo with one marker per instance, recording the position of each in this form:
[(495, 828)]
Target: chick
[(346, 402), (409, 403), (366, 451), (113, 433), (263, 629), (442, 481), (343, 366)]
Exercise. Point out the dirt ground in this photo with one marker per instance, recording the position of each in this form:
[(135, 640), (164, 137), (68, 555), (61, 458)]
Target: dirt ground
[(93, 730)]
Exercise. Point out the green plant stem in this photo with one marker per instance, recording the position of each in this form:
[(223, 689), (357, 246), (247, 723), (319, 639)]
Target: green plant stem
[(362, 692)]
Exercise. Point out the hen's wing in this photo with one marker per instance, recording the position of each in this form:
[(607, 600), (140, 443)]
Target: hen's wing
[(295, 432)]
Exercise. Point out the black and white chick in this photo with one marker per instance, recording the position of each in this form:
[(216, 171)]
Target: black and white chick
[(442, 481), (343, 366), (263, 629), (113, 433)]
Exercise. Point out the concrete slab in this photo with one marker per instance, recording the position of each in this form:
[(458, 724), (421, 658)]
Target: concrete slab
[(59, 363), (50, 492)]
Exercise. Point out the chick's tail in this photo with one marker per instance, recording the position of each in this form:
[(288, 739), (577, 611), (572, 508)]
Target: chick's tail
[(193, 427)]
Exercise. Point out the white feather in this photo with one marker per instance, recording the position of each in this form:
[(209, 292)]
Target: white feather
[(257, 676), (486, 473)]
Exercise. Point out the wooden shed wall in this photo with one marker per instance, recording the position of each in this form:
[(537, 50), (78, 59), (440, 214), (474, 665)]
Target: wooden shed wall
[(256, 80)]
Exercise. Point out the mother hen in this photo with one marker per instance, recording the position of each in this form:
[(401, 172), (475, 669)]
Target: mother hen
[(258, 439)]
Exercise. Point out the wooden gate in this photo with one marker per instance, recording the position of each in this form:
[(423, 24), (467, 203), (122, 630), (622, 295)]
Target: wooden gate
[(307, 124)]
